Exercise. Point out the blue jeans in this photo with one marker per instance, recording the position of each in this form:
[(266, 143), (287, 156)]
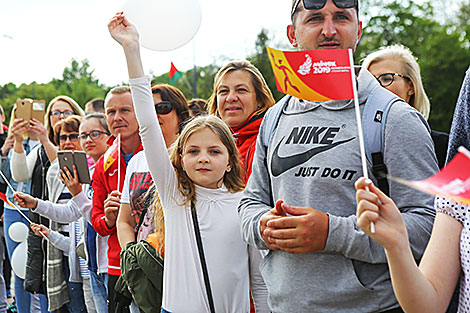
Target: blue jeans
[(22, 297), (99, 287), (77, 300)]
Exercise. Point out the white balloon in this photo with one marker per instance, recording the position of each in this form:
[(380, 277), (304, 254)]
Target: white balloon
[(164, 25), (18, 260), (18, 232)]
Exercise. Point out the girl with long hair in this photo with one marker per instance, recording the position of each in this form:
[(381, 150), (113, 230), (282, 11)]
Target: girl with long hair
[(199, 186)]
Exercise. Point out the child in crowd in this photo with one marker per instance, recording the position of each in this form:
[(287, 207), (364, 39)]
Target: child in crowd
[(199, 186)]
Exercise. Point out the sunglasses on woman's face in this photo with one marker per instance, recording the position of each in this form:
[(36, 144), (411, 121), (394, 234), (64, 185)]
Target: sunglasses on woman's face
[(163, 107), (318, 4), (71, 137)]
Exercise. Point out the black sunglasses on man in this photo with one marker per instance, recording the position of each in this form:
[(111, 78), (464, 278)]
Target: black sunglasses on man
[(318, 4)]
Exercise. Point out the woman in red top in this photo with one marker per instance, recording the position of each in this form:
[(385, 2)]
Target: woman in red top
[(241, 98)]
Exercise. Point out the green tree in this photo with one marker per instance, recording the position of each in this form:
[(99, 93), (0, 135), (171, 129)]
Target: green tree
[(260, 59), (79, 82), (205, 80), (442, 50)]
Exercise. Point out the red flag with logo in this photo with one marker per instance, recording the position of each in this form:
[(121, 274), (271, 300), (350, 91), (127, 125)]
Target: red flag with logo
[(112, 154), (453, 181), (314, 75)]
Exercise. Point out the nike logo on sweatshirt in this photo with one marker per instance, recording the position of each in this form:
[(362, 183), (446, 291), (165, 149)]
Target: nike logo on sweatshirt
[(281, 164)]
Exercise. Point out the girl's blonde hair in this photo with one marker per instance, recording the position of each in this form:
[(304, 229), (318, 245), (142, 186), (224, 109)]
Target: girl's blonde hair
[(233, 180), (264, 97), (419, 100)]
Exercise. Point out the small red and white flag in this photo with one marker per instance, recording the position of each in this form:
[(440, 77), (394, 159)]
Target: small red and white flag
[(452, 182)]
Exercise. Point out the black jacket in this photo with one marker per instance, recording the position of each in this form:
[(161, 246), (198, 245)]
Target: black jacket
[(35, 278)]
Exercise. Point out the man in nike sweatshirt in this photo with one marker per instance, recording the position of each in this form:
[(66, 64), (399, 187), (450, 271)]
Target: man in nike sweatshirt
[(319, 260)]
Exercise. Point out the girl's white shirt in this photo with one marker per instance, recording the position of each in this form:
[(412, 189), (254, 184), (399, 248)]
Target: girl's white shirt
[(226, 254)]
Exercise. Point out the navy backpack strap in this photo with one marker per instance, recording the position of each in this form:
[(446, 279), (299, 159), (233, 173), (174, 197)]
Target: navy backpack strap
[(374, 117)]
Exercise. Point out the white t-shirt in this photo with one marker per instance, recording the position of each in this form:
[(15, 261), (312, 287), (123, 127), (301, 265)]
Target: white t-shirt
[(136, 184), (225, 252)]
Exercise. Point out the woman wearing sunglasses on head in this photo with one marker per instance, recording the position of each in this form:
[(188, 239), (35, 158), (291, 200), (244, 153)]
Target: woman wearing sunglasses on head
[(197, 107), (397, 70)]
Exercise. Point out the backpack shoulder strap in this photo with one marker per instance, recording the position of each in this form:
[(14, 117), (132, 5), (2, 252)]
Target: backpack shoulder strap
[(374, 117), (271, 118)]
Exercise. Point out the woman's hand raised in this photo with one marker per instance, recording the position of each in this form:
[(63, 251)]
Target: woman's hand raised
[(123, 31)]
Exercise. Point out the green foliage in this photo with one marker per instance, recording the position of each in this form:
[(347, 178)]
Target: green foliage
[(442, 50), (441, 45), (205, 80), (77, 82), (260, 59)]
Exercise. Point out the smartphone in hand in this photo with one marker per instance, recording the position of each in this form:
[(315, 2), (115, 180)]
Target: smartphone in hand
[(67, 159), (81, 163)]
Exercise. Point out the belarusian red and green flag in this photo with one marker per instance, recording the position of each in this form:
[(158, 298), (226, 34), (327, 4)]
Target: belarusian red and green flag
[(174, 74)]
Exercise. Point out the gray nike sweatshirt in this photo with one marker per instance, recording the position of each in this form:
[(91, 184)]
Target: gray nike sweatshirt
[(351, 274)]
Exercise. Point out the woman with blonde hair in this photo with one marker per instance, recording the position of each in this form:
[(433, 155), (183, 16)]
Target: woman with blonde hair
[(396, 69), (240, 98)]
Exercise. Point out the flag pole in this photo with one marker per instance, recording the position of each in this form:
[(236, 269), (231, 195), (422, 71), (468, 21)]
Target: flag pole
[(194, 70), (359, 125), (119, 162), (13, 205), (464, 151)]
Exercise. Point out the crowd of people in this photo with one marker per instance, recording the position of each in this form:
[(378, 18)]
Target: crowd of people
[(216, 206)]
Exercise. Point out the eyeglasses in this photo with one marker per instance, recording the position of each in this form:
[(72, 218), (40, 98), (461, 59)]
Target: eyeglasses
[(163, 107), (94, 135), (318, 4), (59, 113), (72, 137), (386, 79)]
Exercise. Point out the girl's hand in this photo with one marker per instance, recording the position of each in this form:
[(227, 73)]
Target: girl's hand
[(123, 31), (71, 182), (38, 229), (25, 201), (18, 128), (39, 128), (374, 206)]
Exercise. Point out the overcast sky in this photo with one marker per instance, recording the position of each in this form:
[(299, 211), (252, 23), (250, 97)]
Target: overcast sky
[(39, 38)]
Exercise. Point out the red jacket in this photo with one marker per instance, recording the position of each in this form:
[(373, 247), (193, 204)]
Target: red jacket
[(245, 138), (102, 184)]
